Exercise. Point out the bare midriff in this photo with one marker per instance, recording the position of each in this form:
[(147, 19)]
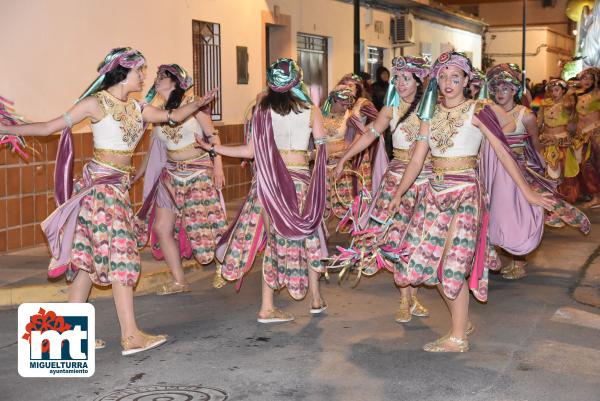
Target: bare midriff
[(588, 119), (557, 132), (188, 152)]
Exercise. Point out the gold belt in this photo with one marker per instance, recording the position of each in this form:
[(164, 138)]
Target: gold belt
[(98, 152), (401, 154), (518, 149), (297, 165), (462, 163), (304, 153), (122, 168)]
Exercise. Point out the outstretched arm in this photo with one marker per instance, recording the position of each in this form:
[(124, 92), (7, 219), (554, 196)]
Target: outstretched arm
[(363, 141), (206, 123), (87, 108), (153, 114)]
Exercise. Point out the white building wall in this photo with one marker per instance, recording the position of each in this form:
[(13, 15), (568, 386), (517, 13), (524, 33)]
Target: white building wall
[(55, 46), (443, 38), (549, 47)]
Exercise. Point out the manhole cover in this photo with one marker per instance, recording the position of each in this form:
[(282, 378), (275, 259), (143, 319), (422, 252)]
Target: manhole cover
[(166, 393)]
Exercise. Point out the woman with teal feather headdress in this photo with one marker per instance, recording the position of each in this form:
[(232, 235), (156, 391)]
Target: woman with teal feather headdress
[(283, 213), (341, 124), (91, 234), (182, 184), (366, 112), (476, 198), (505, 88), (381, 228)]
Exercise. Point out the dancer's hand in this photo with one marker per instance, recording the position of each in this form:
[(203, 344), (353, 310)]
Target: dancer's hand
[(395, 203), (339, 170), (218, 178), (207, 98), (545, 200), (202, 144)]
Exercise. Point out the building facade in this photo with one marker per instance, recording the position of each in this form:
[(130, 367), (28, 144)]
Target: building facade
[(55, 47)]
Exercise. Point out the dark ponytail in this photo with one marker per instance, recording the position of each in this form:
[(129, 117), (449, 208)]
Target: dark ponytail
[(176, 96), (413, 105)]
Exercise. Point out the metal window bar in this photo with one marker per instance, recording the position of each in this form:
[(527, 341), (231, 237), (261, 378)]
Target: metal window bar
[(206, 42), (312, 43)]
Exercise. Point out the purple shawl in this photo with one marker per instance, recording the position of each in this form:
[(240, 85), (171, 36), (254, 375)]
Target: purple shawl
[(515, 224), (63, 170), (276, 189)]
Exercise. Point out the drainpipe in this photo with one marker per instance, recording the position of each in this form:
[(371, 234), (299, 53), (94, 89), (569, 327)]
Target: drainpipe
[(523, 82), (357, 36)]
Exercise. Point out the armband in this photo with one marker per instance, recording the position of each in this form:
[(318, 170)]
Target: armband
[(170, 120), (374, 131), (320, 141), (420, 138), (68, 120)]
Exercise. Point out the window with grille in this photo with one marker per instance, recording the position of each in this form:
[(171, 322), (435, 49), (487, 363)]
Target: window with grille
[(312, 57), (207, 62)]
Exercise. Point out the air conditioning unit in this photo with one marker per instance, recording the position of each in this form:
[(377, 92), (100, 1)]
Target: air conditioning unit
[(402, 29)]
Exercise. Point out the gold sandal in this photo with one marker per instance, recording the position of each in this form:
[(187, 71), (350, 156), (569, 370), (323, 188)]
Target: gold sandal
[(99, 343), (417, 309), (149, 342), (173, 288), (320, 309), (218, 280), (447, 344), (517, 272), (276, 316), (507, 268), (403, 314)]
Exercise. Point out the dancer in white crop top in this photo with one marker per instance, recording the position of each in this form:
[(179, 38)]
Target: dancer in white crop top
[(451, 227), (188, 193), (294, 237), (504, 82), (399, 115), (103, 244)]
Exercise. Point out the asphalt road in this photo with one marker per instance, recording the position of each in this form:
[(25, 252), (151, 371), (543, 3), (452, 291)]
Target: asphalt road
[(532, 342)]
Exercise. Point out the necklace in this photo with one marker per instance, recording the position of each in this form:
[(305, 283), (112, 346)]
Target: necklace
[(445, 124)]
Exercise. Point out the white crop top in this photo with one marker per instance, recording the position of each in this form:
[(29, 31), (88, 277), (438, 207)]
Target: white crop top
[(180, 136), (292, 131), (122, 126), (452, 133), (406, 132)]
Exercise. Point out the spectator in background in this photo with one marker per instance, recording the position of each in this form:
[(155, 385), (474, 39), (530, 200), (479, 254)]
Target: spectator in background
[(379, 88)]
